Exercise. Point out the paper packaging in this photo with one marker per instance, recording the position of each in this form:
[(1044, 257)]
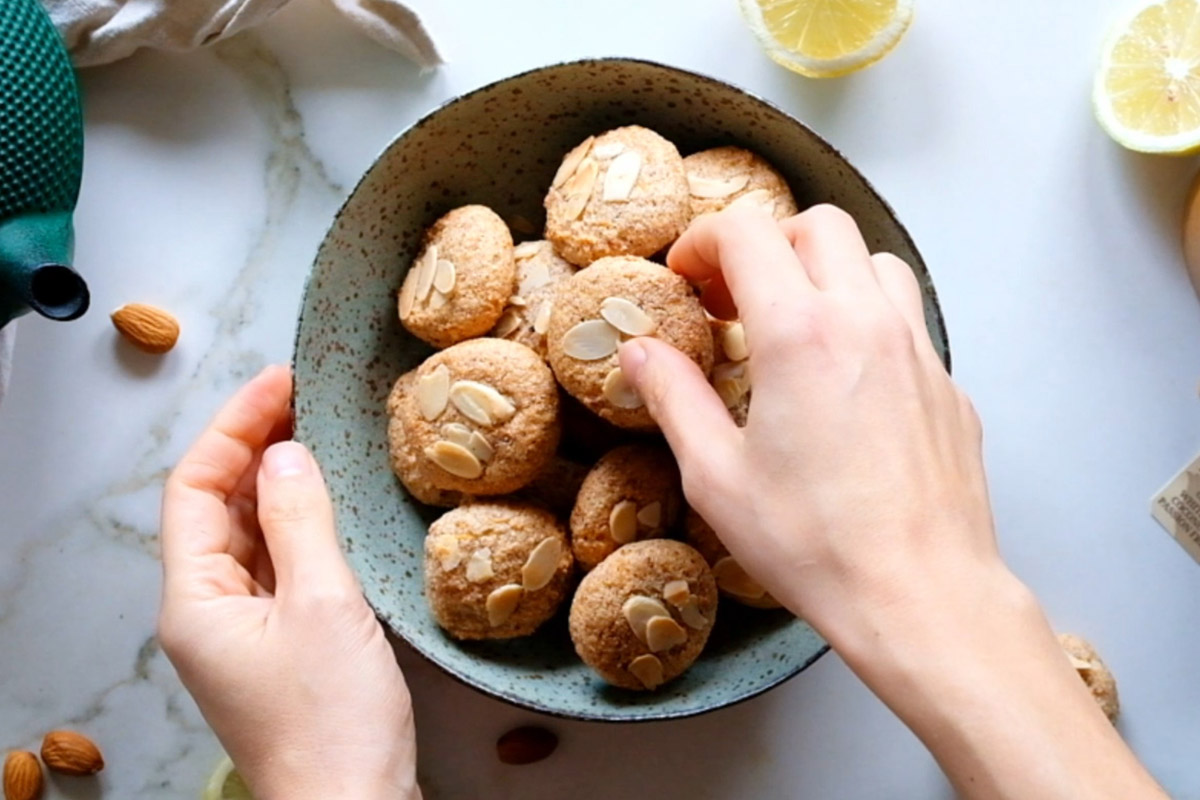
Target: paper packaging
[(1177, 508)]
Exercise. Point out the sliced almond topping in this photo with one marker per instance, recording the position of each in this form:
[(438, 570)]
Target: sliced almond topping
[(446, 550), (759, 198), (507, 324), (676, 592), (571, 162), (591, 340), (622, 176), (627, 317), (699, 186), (542, 564), (479, 565), (408, 293), (733, 342), (533, 277), (650, 515), (1080, 665), (437, 300), (608, 150), (692, 617), (622, 522), (445, 277), (732, 382), (481, 403), (578, 190), (541, 322), (433, 390), (620, 392), (455, 459), (425, 273), (502, 602), (732, 579), (517, 301), (663, 633), (480, 447), (526, 249), (640, 610), (457, 433), (647, 669)]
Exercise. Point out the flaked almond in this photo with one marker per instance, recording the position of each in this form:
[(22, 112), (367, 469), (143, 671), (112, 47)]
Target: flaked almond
[(733, 342), (676, 592), (480, 447), (22, 776), (526, 249), (541, 565), (607, 150), (447, 551), (760, 199), (691, 614), (570, 163), (456, 432), (622, 176), (578, 190), (426, 270), (507, 325), (663, 633), (433, 391), (647, 669), (71, 753), (622, 522), (481, 403), (517, 301), (437, 300), (445, 278), (479, 565), (732, 382), (700, 186), (650, 515), (455, 459), (627, 316), (732, 579), (502, 602), (639, 611), (541, 321), (408, 293), (591, 340), (533, 277), (619, 391), (148, 328)]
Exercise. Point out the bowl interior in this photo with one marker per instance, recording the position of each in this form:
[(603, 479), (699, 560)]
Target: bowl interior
[(500, 146)]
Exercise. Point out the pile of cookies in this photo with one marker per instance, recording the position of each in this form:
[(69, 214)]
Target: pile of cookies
[(524, 425)]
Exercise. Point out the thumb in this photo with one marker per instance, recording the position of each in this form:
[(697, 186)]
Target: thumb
[(297, 522), (696, 423)]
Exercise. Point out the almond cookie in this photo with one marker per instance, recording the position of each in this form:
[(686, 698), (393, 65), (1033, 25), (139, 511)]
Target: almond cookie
[(632, 493), (483, 417), (731, 370), (620, 193), (556, 487), (495, 570), (1093, 672), (642, 617), (731, 579), (405, 461), (726, 176), (458, 284), (527, 315), (612, 300)]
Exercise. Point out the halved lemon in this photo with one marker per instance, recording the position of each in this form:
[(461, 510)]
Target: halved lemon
[(226, 783), (1147, 90), (827, 38)]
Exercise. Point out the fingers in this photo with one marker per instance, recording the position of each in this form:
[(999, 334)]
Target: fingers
[(830, 247), (297, 521), (195, 518), (696, 423), (900, 286)]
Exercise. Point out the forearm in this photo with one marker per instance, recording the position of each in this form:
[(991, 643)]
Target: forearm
[(971, 665)]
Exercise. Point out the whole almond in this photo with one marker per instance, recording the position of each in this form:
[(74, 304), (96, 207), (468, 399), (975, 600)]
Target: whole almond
[(147, 327), (71, 753), (22, 776), (526, 745)]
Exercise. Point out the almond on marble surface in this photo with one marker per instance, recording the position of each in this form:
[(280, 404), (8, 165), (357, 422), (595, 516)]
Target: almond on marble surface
[(22, 776), (148, 328), (71, 753)]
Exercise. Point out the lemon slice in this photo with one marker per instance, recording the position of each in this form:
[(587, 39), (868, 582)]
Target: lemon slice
[(1147, 90), (827, 38), (226, 784)]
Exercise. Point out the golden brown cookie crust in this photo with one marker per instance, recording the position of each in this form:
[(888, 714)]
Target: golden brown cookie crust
[(1094, 673), (731, 370), (465, 299), (633, 490), (651, 214), (665, 297), (405, 462), (603, 636), (480, 548), (521, 441), (723, 176), (527, 315), (731, 579)]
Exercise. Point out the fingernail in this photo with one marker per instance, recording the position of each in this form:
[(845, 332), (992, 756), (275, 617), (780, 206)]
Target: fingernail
[(632, 355), (286, 459)]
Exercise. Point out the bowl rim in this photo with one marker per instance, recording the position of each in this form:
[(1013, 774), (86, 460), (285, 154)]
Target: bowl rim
[(938, 322)]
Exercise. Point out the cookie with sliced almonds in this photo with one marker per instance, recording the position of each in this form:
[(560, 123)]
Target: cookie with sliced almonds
[(726, 176), (406, 460), (643, 616), (620, 193), (527, 314), (459, 283), (482, 417), (496, 569), (632, 493), (1093, 672), (613, 300), (731, 368), (731, 579)]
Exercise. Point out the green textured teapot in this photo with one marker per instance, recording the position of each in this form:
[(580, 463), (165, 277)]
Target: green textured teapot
[(41, 161)]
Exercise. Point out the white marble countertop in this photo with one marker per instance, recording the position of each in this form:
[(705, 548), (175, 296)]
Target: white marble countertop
[(211, 177)]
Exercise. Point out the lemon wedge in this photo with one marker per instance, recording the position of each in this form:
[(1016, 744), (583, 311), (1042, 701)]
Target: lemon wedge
[(226, 783), (1147, 90), (827, 38)]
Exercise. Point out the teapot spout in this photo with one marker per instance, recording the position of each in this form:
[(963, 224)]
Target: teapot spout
[(35, 251)]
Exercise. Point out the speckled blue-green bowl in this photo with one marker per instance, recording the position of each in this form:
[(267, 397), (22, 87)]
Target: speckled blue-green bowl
[(499, 146)]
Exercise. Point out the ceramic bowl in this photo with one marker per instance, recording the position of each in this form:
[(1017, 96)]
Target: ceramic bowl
[(499, 146)]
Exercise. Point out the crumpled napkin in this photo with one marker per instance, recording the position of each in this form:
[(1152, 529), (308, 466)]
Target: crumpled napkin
[(101, 31)]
